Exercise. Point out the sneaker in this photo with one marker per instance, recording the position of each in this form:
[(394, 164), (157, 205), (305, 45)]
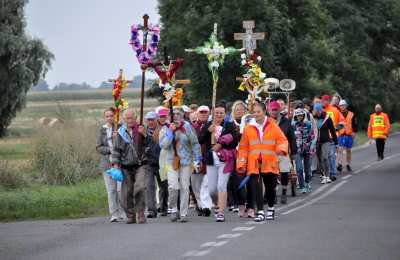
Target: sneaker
[(339, 168), (260, 217), (174, 217), (324, 180), (131, 219), (242, 209), (169, 211), (333, 178), (283, 198), (270, 214), (152, 214), (220, 217), (141, 218), (304, 190), (164, 213), (231, 208), (250, 213), (308, 186), (113, 219), (235, 210), (206, 212), (328, 180), (349, 169), (183, 219)]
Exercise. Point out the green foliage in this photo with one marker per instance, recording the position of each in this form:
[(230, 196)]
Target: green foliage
[(296, 44), (23, 61), (326, 46), (52, 202), (11, 177), (66, 154)]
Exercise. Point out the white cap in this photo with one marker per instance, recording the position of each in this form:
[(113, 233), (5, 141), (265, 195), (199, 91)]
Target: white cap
[(186, 109), (203, 109), (342, 103)]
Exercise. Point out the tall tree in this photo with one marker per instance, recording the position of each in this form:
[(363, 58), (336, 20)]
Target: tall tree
[(23, 60), (295, 47), (366, 67)]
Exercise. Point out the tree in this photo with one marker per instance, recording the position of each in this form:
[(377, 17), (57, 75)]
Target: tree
[(23, 61), (41, 86), (295, 47), (367, 53)]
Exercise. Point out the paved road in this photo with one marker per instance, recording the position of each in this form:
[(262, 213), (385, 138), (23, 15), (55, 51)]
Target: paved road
[(357, 217)]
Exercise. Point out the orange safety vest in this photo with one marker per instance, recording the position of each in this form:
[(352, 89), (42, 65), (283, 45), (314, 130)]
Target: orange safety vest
[(347, 126), (257, 154), (334, 114), (379, 125)]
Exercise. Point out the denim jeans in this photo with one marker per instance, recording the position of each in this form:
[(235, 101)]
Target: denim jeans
[(303, 165), (332, 159)]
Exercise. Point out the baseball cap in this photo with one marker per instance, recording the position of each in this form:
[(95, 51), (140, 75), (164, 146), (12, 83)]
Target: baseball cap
[(274, 105), (326, 98), (342, 102), (186, 109), (203, 109), (151, 115)]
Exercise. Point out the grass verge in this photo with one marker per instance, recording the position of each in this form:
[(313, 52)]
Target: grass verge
[(54, 201)]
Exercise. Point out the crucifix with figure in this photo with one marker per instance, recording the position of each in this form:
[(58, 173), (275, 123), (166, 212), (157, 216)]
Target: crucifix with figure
[(249, 38), (166, 70)]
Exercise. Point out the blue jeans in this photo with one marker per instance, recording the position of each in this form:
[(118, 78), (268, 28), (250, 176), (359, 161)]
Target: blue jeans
[(332, 159), (303, 159)]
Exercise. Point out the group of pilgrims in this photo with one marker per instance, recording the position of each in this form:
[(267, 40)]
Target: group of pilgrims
[(238, 157)]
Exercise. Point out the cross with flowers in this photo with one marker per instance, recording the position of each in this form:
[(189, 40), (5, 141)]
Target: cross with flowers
[(215, 53), (119, 85)]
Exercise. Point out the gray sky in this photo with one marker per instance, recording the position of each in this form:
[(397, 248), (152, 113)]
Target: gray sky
[(89, 38)]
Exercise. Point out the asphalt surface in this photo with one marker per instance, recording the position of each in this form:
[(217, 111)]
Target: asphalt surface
[(356, 217)]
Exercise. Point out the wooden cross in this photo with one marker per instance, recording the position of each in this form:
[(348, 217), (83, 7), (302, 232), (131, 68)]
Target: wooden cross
[(249, 38)]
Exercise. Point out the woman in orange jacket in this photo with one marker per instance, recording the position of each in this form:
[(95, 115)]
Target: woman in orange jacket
[(261, 143)]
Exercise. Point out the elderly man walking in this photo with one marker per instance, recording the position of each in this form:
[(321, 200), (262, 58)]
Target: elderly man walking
[(128, 155)]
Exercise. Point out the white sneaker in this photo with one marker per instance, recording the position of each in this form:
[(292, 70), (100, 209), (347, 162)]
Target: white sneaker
[(328, 180), (113, 219), (323, 180)]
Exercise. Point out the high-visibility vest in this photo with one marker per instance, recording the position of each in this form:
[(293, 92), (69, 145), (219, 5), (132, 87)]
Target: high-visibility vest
[(379, 125), (347, 125), (258, 154), (334, 114)]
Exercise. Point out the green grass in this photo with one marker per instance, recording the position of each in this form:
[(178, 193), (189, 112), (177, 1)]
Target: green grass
[(54, 202), (131, 93), (15, 151)]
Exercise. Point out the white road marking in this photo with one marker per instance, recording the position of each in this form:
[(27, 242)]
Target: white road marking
[(313, 193), (346, 177), (214, 243), (196, 253), (229, 235), (243, 228), (312, 201)]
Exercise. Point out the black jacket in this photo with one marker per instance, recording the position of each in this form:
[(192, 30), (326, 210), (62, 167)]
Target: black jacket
[(205, 138), (326, 129), (286, 127)]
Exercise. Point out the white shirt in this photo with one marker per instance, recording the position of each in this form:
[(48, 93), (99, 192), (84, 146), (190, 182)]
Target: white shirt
[(260, 127)]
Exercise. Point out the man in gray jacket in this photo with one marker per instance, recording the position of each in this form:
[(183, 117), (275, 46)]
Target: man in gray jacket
[(129, 155)]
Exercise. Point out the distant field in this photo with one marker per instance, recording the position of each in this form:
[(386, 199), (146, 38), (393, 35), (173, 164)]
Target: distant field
[(84, 105), (105, 94)]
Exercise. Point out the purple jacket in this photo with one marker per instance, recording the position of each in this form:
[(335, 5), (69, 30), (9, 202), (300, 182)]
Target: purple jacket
[(227, 155)]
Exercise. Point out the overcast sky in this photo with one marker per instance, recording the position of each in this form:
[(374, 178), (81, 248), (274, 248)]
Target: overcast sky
[(89, 38)]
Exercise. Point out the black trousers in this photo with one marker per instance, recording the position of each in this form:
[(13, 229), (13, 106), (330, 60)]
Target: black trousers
[(236, 196), (257, 181), (380, 146)]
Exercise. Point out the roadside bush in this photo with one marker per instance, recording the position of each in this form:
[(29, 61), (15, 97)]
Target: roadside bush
[(66, 154), (11, 177)]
